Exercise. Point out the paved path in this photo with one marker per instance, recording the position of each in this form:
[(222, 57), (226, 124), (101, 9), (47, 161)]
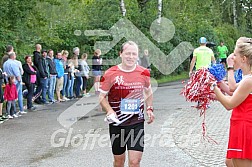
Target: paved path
[(174, 139)]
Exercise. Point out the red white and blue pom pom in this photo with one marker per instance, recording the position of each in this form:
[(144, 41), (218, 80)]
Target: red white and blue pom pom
[(218, 71), (198, 88)]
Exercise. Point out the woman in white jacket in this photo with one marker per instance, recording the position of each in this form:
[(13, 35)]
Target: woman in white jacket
[(84, 73)]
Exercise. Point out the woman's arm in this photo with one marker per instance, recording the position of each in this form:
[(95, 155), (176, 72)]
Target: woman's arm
[(242, 92), (231, 79)]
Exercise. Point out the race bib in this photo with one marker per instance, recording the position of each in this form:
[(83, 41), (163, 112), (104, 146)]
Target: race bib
[(130, 106)]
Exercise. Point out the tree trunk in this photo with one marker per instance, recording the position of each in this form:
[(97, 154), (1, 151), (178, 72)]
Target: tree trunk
[(235, 14), (159, 11), (123, 9)]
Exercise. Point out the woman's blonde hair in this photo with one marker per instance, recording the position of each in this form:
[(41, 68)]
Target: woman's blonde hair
[(65, 52), (244, 46), (84, 55), (97, 52)]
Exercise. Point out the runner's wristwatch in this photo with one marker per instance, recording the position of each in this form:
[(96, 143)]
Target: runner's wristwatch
[(150, 108)]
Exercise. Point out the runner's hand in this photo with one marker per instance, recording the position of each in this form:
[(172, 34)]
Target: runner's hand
[(111, 118), (150, 116), (190, 74)]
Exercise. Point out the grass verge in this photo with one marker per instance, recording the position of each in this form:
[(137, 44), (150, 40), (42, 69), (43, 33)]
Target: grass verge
[(170, 78)]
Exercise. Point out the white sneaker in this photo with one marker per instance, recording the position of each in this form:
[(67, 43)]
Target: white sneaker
[(64, 98), (15, 116), (23, 112), (86, 95), (9, 117), (18, 114)]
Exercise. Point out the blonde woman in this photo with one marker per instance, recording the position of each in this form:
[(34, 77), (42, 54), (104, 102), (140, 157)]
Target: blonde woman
[(78, 83), (64, 60), (70, 84), (239, 146), (84, 73)]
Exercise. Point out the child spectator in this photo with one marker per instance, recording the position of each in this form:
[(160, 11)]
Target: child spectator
[(10, 95)]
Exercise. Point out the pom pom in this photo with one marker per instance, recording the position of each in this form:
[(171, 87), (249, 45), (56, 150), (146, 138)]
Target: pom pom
[(238, 75), (218, 71), (198, 88)]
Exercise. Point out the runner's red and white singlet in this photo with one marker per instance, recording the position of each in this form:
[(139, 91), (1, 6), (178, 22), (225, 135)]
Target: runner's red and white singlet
[(125, 92)]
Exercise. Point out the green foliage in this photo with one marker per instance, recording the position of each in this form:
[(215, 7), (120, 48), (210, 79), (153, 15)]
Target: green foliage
[(53, 23)]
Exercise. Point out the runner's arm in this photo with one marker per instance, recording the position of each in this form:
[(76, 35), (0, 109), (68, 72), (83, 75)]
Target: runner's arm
[(192, 64), (213, 59), (105, 104), (148, 96)]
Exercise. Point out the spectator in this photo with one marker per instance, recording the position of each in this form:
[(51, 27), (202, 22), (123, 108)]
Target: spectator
[(36, 58), (71, 71), (12, 68), (20, 89), (66, 78), (9, 49), (239, 146), (10, 95), (44, 74), (84, 73), (144, 60), (96, 69), (29, 79), (60, 73), (78, 83), (52, 78), (2, 76), (37, 55)]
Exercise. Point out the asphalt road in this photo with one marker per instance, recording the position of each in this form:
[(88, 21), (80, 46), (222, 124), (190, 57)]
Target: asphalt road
[(39, 138)]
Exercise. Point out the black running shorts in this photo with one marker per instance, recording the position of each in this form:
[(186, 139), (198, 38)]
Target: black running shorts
[(131, 136)]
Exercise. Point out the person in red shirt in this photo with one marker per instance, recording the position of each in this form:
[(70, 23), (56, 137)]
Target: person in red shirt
[(10, 95), (240, 135), (127, 86)]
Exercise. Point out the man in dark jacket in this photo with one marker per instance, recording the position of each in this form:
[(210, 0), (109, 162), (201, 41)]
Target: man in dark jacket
[(52, 77), (37, 54), (36, 57), (44, 73)]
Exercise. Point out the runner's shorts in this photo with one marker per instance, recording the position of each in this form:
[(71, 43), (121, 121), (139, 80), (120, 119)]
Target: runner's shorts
[(131, 136)]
